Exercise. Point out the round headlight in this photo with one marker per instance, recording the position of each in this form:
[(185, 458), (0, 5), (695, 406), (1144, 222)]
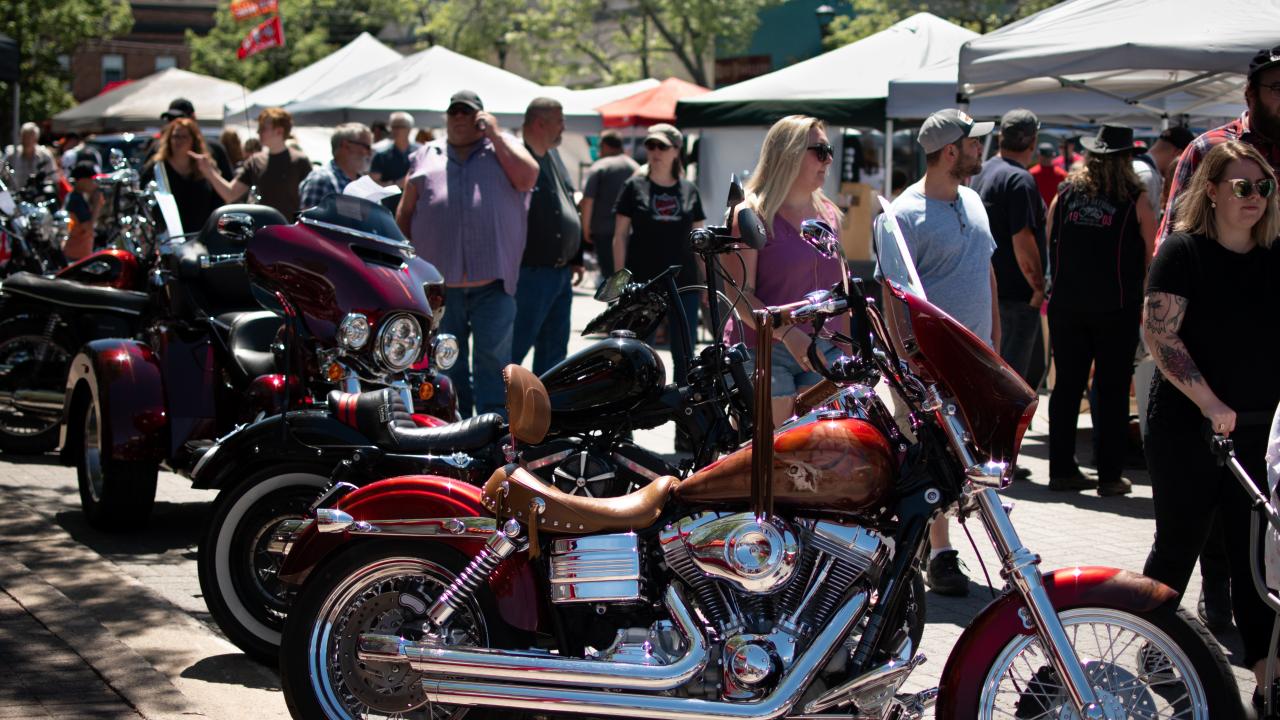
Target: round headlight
[(353, 332), (399, 342), (444, 351)]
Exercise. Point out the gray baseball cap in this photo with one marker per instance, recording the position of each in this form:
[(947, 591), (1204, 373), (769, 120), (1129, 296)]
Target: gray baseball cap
[(1019, 124), (947, 126)]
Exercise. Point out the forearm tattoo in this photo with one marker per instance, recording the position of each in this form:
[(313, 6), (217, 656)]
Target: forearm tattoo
[(1177, 363), (1164, 313)]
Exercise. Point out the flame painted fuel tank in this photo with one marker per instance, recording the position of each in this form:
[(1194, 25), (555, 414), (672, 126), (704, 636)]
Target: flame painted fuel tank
[(842, 465)]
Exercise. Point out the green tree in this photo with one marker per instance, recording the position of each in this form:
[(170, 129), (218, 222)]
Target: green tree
[(982, 16), (312, 30), (46, 31)]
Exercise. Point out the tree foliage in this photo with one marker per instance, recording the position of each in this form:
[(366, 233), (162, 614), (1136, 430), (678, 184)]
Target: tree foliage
[(982, 16), (46, 31), (312, 30)]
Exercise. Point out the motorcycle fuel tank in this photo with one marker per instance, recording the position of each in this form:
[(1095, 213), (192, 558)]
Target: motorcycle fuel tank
[(599, 385), (842, 465)]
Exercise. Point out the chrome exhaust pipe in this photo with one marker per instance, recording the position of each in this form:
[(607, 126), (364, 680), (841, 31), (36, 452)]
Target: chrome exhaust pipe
[(36, 402), (507, 666), (657, 707)]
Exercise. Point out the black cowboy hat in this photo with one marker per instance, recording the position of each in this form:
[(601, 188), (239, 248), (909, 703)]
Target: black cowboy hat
[(1110, 139)]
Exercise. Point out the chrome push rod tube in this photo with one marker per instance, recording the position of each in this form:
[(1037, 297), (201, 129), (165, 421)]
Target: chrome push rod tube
[(1021, 567)]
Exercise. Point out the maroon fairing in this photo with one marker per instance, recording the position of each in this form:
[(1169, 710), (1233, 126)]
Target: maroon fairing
[(996, 403), (840, 466), (124, 378), (422, 496), (326, 274), (1000, 622), (110, 267)]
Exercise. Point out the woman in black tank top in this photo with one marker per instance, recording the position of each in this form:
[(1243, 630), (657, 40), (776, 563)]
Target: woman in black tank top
[(1101, 232)]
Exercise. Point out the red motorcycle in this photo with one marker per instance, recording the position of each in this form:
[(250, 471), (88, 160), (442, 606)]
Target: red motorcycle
[(351, 304), (778, 582)]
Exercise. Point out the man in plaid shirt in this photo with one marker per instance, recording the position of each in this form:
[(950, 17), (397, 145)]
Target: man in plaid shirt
[(1259, 126)]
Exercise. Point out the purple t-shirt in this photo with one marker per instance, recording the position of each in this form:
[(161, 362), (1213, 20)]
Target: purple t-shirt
[(469, 222), (788, 268)]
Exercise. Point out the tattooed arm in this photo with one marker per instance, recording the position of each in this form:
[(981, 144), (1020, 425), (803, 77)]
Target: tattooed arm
[(1162, 316)]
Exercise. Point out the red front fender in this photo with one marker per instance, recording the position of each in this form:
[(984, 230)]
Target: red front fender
[(421, 496), (999, 622)]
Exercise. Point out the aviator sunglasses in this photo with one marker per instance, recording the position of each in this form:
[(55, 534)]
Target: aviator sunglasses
[(823, 151), (1244, 188)]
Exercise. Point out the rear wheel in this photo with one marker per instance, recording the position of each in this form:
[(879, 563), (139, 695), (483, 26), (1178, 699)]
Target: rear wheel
[(33, 376), (115, 494), (238, 576)]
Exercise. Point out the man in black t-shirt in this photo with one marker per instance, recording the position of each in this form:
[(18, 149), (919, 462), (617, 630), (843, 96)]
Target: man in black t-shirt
[(1016, 213), (552, 262), (275, 171)]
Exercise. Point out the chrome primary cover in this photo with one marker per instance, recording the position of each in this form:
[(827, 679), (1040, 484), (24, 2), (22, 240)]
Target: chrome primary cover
[(755, 555)]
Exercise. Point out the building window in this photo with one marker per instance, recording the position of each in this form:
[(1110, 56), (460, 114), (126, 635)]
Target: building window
[(164, 62), (112, 68)]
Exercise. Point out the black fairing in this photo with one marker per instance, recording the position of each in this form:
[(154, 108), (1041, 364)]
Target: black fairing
[(597, 387)]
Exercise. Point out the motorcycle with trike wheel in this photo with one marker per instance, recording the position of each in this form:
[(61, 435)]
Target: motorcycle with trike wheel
[(774, 583), (211, 356), (271, 473)]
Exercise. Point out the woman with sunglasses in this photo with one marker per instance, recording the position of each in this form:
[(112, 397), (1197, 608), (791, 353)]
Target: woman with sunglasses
[(785, 189), (1213, 290), (1101, 233), (193, 194), (655, 212)]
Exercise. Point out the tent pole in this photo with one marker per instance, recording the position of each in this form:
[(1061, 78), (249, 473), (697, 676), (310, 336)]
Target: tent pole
[(888, 157), (1164, 122), (17, 121)]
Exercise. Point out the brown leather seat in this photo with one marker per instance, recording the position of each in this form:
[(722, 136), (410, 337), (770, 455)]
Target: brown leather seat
[(528, 405), (574, 514)]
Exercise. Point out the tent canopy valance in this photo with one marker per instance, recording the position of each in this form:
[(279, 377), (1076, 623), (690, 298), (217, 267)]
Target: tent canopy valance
[(138, 105)]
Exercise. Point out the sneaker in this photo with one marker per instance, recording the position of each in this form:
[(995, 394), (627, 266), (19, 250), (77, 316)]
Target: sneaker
[(1214, 607), (1117, 486), (1021, 473), (1071, 481), (945, 576)]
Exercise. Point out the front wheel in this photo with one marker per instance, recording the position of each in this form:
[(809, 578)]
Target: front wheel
[(238, 576), (33, 375), (382, 586), (114, 494), (1157, 663)]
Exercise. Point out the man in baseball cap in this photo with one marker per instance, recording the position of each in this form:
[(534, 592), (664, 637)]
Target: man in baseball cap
[(946, 229)]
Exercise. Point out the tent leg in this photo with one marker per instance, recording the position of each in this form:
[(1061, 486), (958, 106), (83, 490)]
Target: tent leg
[(17, 120), (1164, 122), (888, 157)]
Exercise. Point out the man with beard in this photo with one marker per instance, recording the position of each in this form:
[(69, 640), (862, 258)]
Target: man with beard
[(352, 145), (1259, 126), (552, 262), (945, 225)]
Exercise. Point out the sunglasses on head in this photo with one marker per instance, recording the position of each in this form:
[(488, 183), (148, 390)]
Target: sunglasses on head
[(1244, 188), (823, 151)]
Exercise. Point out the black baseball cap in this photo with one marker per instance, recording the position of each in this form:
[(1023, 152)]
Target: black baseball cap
[(1019, 125), (179, 108), (466, 98), (1264, 59), (83, 170)]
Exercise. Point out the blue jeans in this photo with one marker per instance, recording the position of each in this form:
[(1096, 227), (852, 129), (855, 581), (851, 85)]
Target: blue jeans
[(488, 313), (786, 377), (543, 301)]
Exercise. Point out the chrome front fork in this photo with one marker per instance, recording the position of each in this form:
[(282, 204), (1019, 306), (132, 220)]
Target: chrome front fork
[(1020, 567)]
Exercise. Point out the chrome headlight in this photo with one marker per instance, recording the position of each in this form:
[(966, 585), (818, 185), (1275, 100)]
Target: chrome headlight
[(353, 331), (399, 342), (444, 351)]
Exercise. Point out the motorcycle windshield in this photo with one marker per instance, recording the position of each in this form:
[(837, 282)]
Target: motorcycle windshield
[(996, 403), (344, 212)]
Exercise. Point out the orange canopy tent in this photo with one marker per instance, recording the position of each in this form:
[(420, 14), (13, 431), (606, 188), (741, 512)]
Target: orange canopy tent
[(655, 105)]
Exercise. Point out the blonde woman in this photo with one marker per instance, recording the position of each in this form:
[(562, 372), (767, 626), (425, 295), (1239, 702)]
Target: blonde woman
[(194, 195), (1213, 291), (785, 189), (1101, 231)]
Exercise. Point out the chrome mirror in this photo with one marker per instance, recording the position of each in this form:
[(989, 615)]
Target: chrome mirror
[(117, 159), (237, 227), (822, 238), (613, 287)]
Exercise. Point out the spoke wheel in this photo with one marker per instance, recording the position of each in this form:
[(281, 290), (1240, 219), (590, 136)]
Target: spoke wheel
[(33, 372)]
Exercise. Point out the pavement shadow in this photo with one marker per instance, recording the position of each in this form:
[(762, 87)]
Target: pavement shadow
[(1126, 505), (234, 669), (49, 458), (172, 526)]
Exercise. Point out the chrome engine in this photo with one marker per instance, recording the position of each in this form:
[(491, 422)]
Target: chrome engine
[(766, 587)]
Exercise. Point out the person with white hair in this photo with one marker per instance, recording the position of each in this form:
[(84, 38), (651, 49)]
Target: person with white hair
[(352, 145), (29, 159), (391, 156)]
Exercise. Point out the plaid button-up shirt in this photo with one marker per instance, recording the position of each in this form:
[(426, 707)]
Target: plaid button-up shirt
[(1237, 129), (323, 180)]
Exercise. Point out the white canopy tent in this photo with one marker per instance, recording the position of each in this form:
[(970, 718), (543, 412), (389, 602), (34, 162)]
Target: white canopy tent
[(1164, 58), (355, 58), (138, 105)]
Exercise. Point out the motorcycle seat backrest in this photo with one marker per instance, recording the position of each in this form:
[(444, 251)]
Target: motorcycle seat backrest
[(513, 492), (528, 405), (222, 288), (215, 243), (249, 336), (382, 416)]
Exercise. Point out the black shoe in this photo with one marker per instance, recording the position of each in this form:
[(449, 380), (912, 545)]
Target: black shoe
[(945, 576), (1214, 606), (1044, 693), (1117, 486), (1071, 481), (1155, 665), (1021, 473)]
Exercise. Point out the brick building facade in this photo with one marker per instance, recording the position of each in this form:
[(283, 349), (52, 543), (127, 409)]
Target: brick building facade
[(157, 42)]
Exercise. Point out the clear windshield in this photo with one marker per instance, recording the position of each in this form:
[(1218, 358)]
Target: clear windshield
[(892, 257), (356, 214)]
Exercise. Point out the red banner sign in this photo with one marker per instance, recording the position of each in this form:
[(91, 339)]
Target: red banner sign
[(267, 35), (245, 9)]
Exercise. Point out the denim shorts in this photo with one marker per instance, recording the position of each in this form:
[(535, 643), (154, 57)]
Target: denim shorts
[(787, 377)]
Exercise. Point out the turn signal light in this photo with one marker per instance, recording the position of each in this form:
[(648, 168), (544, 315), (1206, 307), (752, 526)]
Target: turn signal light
[(426, 391), (335, 372)]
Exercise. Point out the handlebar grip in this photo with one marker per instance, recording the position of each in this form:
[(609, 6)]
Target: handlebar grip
[(811, 398)]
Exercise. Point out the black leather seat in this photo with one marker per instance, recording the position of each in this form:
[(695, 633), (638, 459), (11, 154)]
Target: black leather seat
[(249, 335), (73, 294), (382, 416)]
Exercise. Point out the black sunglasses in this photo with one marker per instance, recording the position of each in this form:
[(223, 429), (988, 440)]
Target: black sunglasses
[(364, 145), (823, 151), (1244, 188), (655, 145)]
